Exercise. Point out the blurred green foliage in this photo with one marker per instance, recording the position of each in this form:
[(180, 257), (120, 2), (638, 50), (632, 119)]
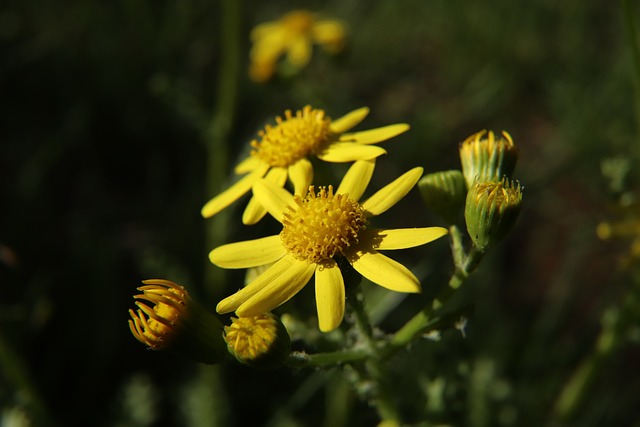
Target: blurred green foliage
[(104, 120)]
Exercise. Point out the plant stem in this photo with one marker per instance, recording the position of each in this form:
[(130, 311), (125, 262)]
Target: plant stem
[(374, 368), (424, 320)]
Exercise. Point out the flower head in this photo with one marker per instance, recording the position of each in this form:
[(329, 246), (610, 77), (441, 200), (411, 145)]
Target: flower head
[(260, 341), (487, 158), (316, 228), (294, 35), (175, 322), (491, 211), (282, 152)]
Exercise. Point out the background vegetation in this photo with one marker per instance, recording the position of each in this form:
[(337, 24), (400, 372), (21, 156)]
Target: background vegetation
[(107, 112)]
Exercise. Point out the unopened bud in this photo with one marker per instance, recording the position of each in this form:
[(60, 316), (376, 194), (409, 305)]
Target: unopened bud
[(491, 211), (445, 193), (487, 158)]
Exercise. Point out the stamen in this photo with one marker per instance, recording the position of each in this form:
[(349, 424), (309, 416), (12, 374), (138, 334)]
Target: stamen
[(293, 137), (321, 225)]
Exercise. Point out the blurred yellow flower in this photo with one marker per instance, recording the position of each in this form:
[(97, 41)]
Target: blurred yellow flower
[(293, 35), (317, 228), (282, 152)]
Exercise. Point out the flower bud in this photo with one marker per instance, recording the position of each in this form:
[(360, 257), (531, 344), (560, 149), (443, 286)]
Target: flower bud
[(491, 211), (258, 341), (487, 158), (176, 323), (445, 193)]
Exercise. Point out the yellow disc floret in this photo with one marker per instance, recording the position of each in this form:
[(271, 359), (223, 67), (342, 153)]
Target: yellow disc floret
[(251, 337), (321, 225), (293, 137)]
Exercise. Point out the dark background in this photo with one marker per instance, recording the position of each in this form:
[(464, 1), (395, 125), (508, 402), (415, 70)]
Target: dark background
[(106, 112)]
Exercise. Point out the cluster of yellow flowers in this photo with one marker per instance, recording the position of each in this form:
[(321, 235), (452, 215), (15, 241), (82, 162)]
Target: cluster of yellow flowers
[(323, 225), (320, 224)]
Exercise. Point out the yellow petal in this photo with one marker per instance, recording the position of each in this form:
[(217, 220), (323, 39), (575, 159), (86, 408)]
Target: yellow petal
[(275, 199), (249, 253), (392, 193), (278, 290), (263, 29), (341, 152), (330, 34), (383, 271), (234, 301), (375, 135), (329, 296), (400, 238), (300, 52), (356, 179), (234, 192), (301, 175), (254, 211), (247, 165), (349, 120)]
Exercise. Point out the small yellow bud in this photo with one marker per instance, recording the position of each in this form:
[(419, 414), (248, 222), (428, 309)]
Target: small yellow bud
[(487, 158), (491, 210), (445, 193), (258, 341), (176, 323)]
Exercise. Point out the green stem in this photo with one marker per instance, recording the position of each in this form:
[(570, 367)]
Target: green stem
[(374, 369), (303, 360), (217, 134), (424, 320)]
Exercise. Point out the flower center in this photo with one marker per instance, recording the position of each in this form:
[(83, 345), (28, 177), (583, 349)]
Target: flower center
[(293, 138), (251, 337), (321, 225)]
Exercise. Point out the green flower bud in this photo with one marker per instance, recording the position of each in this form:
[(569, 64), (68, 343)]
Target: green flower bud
[(258, 341), (445, 193), (487, 158), (491, 211), (176, 323)]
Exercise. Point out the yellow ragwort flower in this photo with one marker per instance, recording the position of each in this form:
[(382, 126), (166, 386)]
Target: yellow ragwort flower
[(282, 152), (260, 341), (175, 322), (317, 228), (293, 35), (155, 326)]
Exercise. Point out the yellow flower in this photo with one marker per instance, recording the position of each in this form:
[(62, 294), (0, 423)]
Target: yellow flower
[(177, 323), (155, 326), (283, 149), (317, 228), (260, 341), (294, 35)]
